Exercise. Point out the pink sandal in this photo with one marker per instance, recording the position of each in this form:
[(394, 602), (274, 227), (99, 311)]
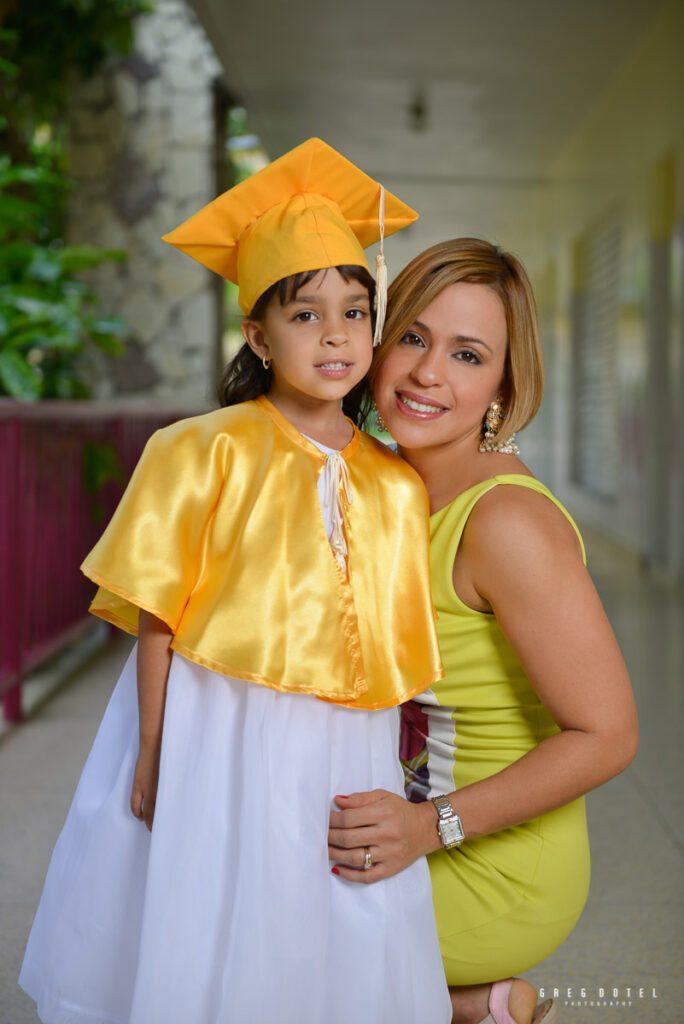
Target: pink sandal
[(546, 1012)]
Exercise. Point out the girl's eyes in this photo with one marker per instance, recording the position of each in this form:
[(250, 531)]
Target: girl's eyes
[(307, 316)]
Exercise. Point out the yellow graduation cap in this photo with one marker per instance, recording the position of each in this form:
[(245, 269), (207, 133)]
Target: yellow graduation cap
[(308, 210)]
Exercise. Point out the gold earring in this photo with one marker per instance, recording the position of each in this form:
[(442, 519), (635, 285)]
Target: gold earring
[(379, 422), (266, 362), (491, 442)]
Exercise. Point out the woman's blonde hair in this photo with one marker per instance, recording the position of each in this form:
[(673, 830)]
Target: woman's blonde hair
[(477, 262)]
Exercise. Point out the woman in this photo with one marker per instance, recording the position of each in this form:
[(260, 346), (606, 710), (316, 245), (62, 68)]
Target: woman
[(536, 707)]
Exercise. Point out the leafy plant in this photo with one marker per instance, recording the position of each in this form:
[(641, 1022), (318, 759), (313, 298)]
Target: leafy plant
[(44, 41), (48, 317), (101, 466)]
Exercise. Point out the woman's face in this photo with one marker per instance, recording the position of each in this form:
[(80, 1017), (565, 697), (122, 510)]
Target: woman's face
[(437, 382)]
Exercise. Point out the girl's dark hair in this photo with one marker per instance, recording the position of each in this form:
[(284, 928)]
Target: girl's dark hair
[(245, 378)]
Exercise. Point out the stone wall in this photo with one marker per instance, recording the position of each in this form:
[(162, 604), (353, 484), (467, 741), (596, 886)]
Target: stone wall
[(143, 157)]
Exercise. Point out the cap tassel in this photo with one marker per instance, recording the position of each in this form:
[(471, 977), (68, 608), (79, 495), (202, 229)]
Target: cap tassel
[(380, 277)]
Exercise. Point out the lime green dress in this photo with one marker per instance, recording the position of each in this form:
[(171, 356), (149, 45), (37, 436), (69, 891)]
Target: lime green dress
[(504, 901)]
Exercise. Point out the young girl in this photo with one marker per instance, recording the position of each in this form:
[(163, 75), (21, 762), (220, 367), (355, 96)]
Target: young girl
[(271, 656)]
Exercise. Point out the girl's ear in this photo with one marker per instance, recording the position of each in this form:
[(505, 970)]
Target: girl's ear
[(253, 334)]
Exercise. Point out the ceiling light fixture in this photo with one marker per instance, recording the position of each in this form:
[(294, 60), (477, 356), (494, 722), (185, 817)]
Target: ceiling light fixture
[(418, 111)]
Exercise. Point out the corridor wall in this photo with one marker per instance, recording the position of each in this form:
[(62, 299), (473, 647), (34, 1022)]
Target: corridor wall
[(605, 240)]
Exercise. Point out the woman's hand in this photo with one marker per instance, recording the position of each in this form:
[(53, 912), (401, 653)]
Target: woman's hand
[(396, 832), (144, 790)]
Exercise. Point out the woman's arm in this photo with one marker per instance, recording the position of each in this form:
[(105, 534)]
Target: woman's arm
[(520, 557), (154, 660)]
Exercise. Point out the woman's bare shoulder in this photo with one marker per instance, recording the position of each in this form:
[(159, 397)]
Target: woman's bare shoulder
[(516, 526)]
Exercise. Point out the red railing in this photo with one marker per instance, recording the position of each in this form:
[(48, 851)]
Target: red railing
[(49, 522)]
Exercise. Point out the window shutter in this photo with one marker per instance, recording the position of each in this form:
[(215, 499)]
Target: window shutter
[(595, 435)]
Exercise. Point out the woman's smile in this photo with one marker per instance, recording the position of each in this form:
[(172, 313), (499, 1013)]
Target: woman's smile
[(418, 406)]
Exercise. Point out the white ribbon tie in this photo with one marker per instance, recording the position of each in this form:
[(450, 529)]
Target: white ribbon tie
[(337, 479)]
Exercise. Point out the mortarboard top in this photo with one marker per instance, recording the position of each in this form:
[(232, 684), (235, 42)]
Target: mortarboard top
[(308, 210)]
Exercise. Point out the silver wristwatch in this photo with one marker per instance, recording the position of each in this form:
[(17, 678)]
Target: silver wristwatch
[(448, 823)]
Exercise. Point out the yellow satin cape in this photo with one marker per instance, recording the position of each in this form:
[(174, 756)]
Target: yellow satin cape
[(220, 534)]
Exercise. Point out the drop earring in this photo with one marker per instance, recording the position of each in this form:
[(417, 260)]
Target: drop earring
[(491, 442), (379, 422)]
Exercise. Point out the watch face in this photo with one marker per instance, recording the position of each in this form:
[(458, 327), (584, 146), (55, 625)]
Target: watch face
[(451, 832)]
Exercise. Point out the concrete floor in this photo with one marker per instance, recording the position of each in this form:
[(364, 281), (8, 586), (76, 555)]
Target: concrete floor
[(623, 962)]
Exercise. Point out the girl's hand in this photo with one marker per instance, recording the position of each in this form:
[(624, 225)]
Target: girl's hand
[(144, 790), (396, 832)]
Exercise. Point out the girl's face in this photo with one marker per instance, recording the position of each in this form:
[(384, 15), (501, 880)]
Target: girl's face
[(320, 343), (435, 385)]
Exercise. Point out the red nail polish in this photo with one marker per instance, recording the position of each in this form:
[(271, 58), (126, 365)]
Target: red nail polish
[(342, 796), (335, 871)]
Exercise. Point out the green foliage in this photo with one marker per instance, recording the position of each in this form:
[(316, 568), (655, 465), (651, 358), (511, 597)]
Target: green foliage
[(101, 466), (30, 198), (48, 317), (245, 151), (246, 155), (45, 40), (238, 122)]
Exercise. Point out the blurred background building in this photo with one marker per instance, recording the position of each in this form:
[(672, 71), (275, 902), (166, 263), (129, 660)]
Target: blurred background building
[(555, 130)]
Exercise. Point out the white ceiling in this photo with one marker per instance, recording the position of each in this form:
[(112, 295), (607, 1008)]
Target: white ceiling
[(504, 83)]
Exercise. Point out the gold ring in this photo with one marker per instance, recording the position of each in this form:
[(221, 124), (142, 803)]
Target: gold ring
[(367, 860)]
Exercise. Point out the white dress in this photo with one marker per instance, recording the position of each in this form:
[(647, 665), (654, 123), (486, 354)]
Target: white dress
[(227, 912)]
